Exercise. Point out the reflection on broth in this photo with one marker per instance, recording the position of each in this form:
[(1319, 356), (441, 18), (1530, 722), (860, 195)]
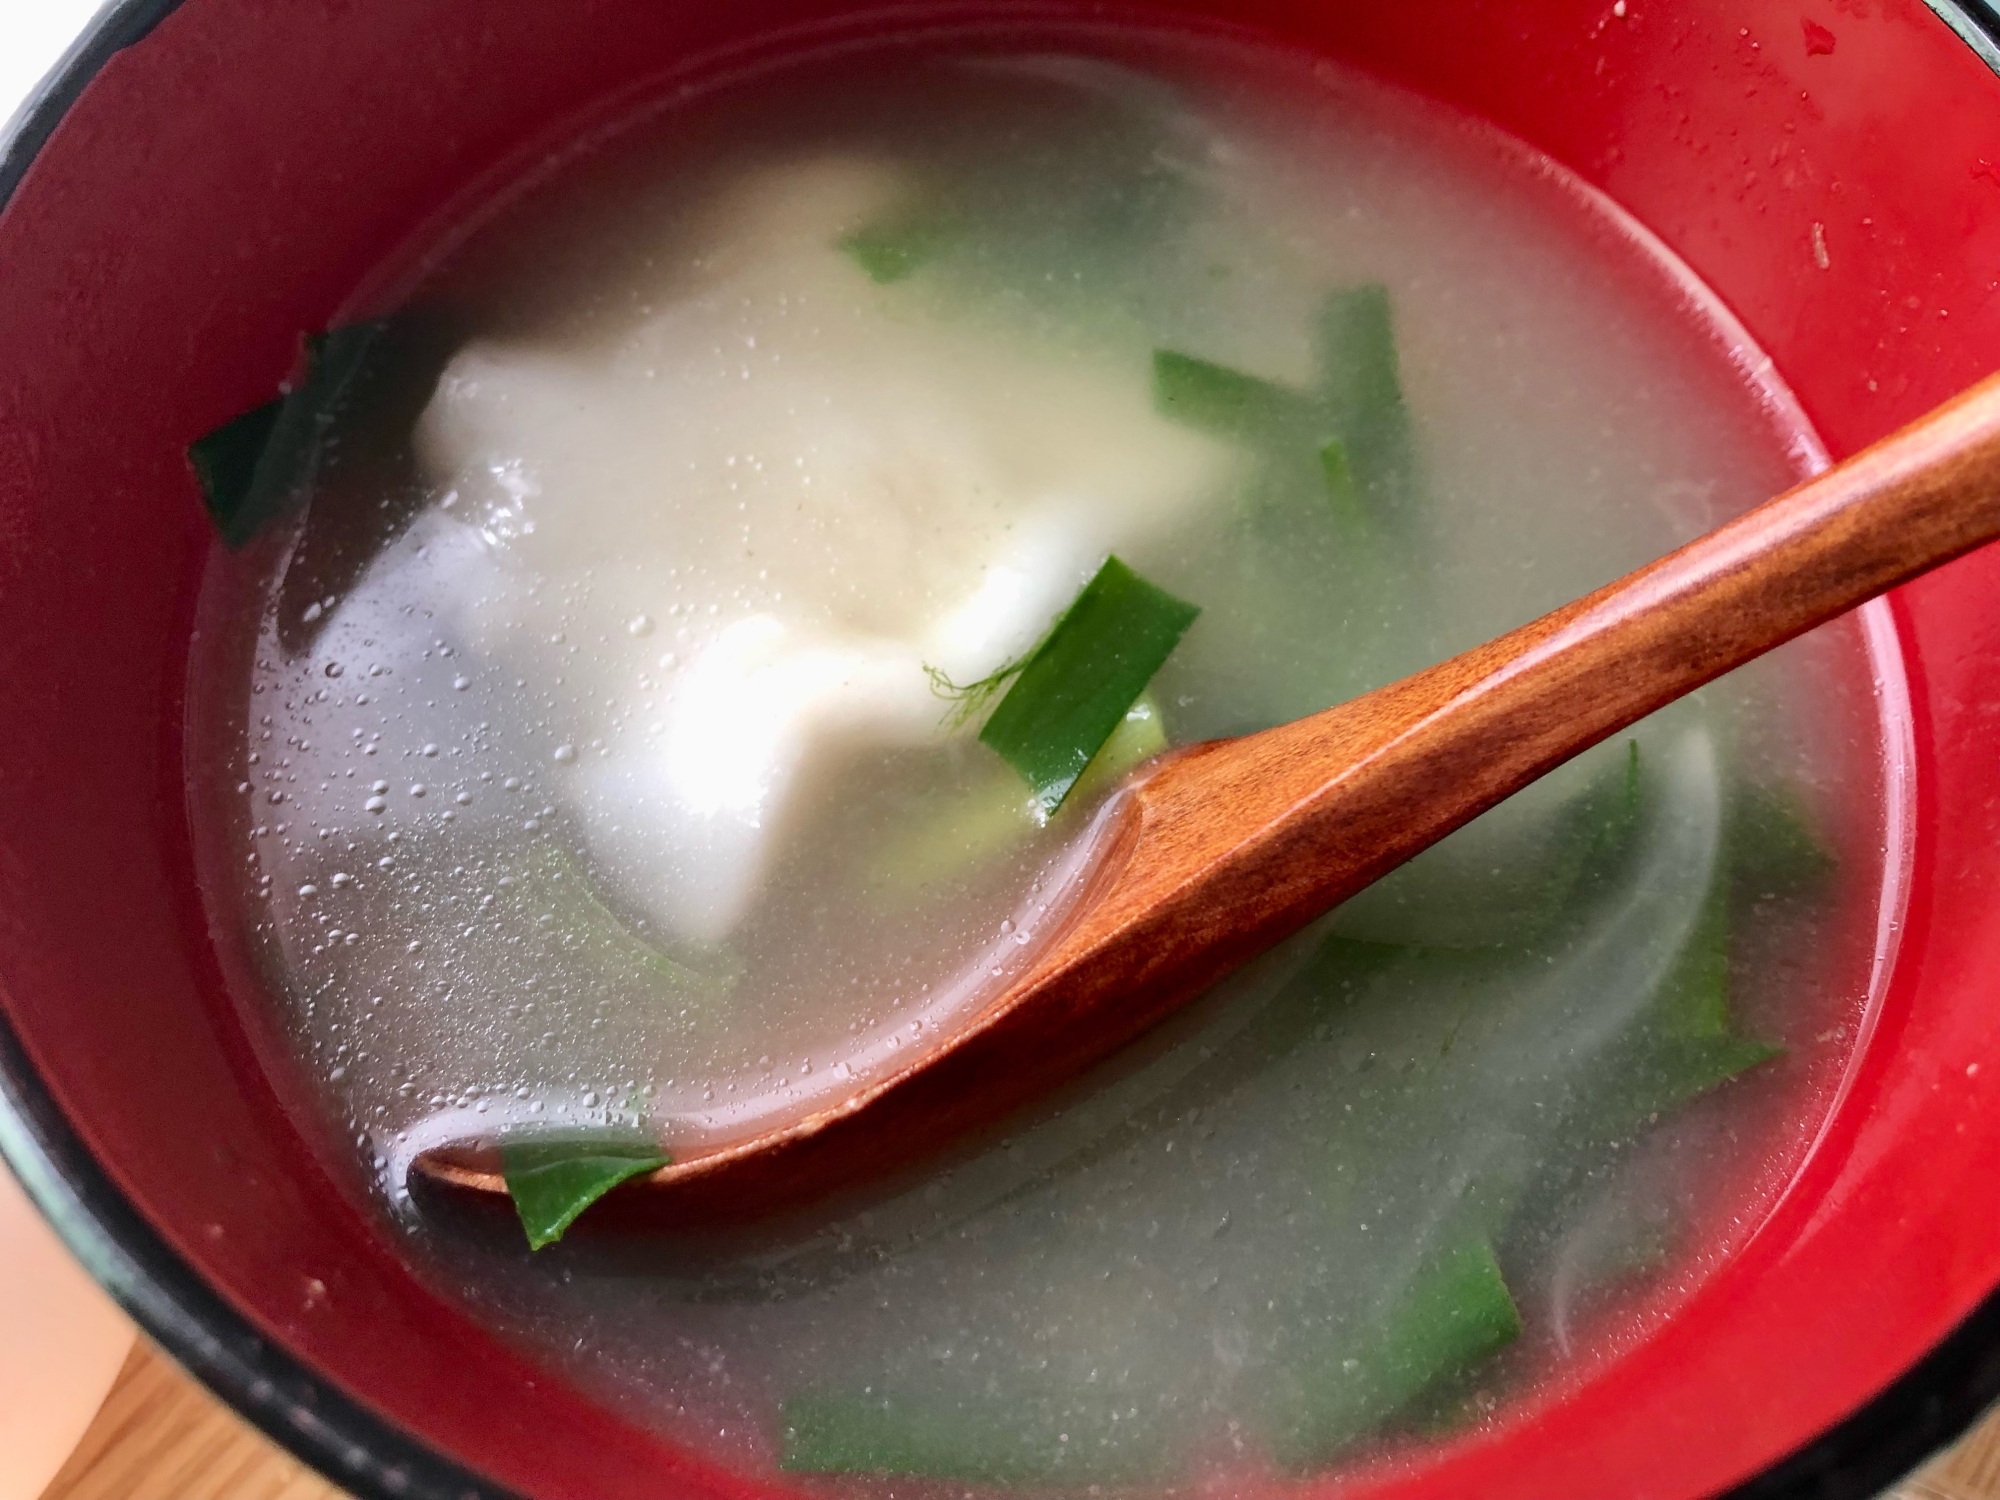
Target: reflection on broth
[(624, 748)]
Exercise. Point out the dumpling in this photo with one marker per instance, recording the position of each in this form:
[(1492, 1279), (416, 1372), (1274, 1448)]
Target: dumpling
[(772, 558)]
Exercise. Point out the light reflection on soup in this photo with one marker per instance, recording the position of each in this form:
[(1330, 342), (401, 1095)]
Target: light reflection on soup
[(589, 755)]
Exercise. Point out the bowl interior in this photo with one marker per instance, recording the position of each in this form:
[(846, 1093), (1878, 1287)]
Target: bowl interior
[(228, 179)]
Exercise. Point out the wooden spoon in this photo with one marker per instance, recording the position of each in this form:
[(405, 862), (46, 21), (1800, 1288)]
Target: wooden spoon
[(1217, 852)]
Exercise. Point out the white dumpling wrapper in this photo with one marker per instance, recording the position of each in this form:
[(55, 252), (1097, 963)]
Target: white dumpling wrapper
[(781, 495)]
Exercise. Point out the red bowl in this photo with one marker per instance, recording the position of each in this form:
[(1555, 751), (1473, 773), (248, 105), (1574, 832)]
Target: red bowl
[(202, 182)]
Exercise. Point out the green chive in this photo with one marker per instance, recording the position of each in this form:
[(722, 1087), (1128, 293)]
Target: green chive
[(552, 1182), (1688, 1044), (1009, 1434), (1074, 691), (254, 468), (828, 1433), (225, 463), (1342, 493), (895, 249), (1222, 401), (1454, 1312), (1774, 848), (1363, 390)]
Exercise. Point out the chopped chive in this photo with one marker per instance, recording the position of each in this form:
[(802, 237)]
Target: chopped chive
[(1629, 812), (993, 813), (333, 360), (225, 464), (1363, 389), (1696, 997), (1222, 401), (1454, 1312), (1608, 818), (895, 249), (1696, 1046), (1689, 1044), (253, 468), (1353, 424), (1773, 845), (1140, 735), (1521, 895), (825, 1433), (552, 1182), (1663, 1073), (999, 1437), (1678, 1073), (1358, 350), (1074, 690), (1342, 493)]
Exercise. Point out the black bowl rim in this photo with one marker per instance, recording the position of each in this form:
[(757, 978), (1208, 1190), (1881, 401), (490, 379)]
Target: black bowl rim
[(1921, 1411)]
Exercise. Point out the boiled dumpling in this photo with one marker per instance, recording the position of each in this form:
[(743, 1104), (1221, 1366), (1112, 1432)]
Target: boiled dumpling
[(871, 487)]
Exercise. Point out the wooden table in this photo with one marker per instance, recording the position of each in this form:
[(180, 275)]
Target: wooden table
[(159, 1436), (162, 1437)]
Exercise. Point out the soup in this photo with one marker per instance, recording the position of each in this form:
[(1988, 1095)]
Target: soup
[(612, 754)]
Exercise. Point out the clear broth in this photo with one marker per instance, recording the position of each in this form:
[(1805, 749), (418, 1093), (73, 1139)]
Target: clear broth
[(1197, 1261)]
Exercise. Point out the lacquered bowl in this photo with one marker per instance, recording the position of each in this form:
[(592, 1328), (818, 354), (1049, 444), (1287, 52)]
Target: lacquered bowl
[(201, 183)]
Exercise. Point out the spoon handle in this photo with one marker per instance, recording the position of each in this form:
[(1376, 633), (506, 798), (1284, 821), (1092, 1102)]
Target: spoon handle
[(1275, 827), (1227, 848)]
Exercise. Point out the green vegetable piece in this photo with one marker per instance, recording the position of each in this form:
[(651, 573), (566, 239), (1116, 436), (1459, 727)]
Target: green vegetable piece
[(1140, 735), (1774, 848), (1333, 981), (1671, 1072), (1695, 1001), (254, 468), (1019, 1436), (1595, 836), (1342, 492), (1222, 401), (1454, 1312), (333, 361), (225, 465), (1689, 1045), (994, 814), (1082, 679), (1679, 1072), (1622, 815), (1353, 424), (1364, 392), (553, 1182), (895, 249), (826, 1433)]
